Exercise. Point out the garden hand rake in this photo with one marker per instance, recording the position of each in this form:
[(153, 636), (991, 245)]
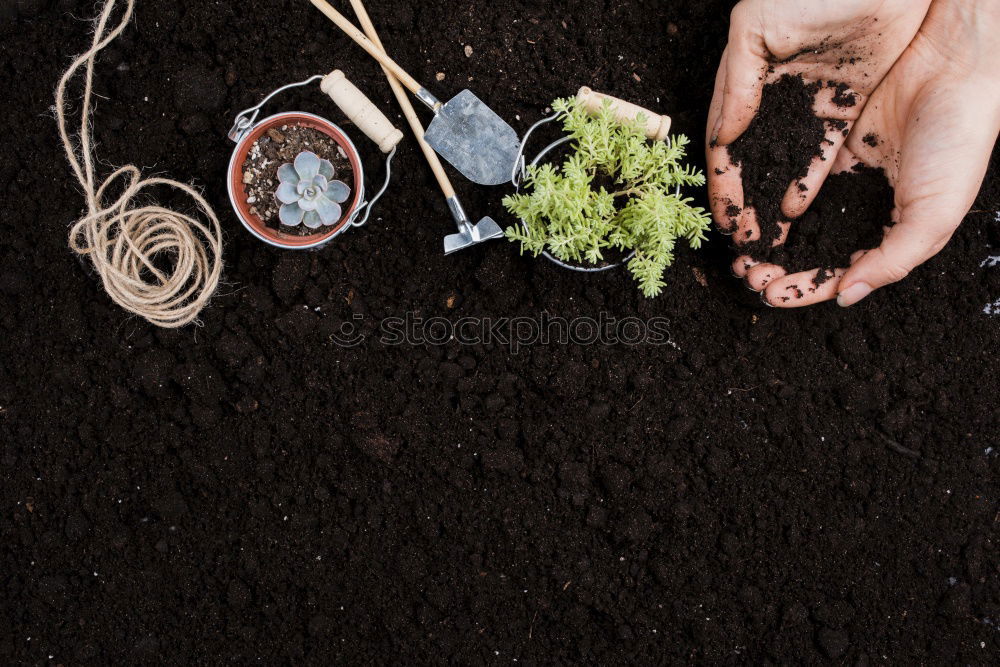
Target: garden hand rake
[(468, 234), (465, 132)]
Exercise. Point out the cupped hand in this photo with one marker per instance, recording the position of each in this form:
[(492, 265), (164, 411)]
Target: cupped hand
[(851, 42), (936, 117)]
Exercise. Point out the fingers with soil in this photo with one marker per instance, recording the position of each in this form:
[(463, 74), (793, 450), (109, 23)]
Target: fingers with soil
[(742, 265), (725, 183), (762, 275), (802, 193), (748, 229), (715, 109), (741, 77), (866, 144), (801, 289), (846, 160), (725, 180), (839, 103), (906, 246)]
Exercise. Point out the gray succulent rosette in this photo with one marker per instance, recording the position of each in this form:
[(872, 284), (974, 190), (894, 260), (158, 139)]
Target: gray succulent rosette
[(309, 194)]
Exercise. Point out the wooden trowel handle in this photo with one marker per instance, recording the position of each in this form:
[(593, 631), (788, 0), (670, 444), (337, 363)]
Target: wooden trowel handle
[(657, 126), (404, 102), (361, 110), (344, 24)]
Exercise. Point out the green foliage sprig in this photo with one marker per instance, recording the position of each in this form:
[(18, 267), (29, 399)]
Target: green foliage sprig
[(566, 214)]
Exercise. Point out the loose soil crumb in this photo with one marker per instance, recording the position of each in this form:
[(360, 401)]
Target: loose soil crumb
[(278, 147), (842, 97), (839, 125)]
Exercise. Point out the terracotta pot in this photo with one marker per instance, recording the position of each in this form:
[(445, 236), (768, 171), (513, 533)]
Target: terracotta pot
[(238, 195)]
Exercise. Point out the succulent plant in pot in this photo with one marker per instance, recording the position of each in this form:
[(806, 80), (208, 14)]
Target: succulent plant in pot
[(309, 194), (274, 145)]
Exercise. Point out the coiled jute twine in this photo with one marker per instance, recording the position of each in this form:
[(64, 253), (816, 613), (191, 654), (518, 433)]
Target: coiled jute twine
[(124, 237)]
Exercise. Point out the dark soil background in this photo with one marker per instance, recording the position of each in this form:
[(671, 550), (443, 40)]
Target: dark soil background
[(781, 487)]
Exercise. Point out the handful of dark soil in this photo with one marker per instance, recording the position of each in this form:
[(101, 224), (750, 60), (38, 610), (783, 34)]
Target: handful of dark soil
[(278, 147), (776, 150), (848, 215)]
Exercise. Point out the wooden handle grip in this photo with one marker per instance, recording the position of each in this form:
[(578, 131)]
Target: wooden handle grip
[(361, 110), (351, 31), (657, 126)]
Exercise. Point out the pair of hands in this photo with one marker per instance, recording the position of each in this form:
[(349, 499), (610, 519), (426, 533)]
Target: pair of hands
[(926, 75)]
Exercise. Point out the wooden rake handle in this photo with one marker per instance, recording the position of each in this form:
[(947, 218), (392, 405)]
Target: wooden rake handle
[(404, 102), (378, 54)]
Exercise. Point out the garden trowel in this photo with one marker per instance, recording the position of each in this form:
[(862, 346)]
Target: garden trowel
[(465, 132), (469, 234)]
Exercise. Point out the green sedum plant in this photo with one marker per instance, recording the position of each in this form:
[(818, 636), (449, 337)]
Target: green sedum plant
[(570, 212)]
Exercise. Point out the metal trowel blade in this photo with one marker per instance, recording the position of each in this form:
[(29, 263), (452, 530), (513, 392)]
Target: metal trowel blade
[(474, 140)]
